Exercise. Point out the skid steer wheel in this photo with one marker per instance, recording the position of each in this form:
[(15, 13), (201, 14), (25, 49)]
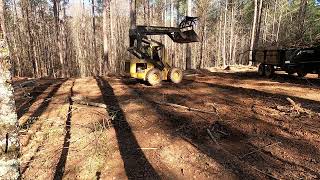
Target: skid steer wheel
[(269, 71), (261, 70), (175, 75), (154, 77)]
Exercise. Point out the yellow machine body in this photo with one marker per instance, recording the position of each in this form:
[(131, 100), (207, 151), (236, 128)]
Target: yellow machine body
[(139, 69)]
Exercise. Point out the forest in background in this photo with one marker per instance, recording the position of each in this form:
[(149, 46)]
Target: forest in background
[(58, 38)]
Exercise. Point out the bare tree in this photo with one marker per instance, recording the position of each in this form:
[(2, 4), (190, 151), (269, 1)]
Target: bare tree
[(133, 16), (9, 150), (253, 31), (106, 10), (301, 19)]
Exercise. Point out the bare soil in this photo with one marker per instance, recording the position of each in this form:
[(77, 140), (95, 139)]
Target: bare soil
[(254, 132)]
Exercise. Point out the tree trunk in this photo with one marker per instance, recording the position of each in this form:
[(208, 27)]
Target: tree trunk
[(188, 47), (279, 25), (253, 33), (274, 21), (133, 17), (59, 40), (9, 150), (224, 51), (202, 41), (231, 35), (106, 10), (301, 20), (31, 55), (172, 45), (219, 38), (257, 35)]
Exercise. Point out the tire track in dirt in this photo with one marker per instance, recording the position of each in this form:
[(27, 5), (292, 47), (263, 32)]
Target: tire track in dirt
[(66, 141), (35, 93), (40, 154), (41, 108), (93, 146), (31, 120), (27, 125)]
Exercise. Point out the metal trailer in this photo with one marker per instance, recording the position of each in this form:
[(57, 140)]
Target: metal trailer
[(295, 60)]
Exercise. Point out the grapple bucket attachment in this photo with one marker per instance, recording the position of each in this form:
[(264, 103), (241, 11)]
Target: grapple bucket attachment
[(188, 36), (186, 33)]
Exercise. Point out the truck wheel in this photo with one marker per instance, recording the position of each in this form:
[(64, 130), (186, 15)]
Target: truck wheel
[(269, 71), (261, 70), (154, 77), (175, 75), (301, 73)]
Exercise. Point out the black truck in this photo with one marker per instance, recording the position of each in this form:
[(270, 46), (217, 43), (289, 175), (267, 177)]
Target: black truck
[(293, 60)]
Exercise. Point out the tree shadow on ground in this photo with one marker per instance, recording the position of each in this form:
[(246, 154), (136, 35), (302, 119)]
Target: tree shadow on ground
[(244, 169), (253, 92), (42, 108), (35, 93), (193, 133), (136, 164), (38, 112), (281, 78), (60, 167)]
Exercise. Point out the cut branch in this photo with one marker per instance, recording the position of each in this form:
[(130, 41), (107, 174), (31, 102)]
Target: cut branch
[(186, 108)]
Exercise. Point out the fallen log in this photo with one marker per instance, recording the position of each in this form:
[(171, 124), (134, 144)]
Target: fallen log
[(186, 108)]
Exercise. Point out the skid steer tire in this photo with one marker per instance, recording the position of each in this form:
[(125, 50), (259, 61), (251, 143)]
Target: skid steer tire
[(175, 75), (154, 77)]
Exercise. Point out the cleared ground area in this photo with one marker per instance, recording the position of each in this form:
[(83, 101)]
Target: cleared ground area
[(215, 125)]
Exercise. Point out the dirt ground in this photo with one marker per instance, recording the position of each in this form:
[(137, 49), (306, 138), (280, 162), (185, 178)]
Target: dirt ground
[(250, 130)]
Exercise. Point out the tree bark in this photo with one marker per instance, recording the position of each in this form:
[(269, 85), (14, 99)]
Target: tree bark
[(253, 33), (224, 48), (301, 19), (59, 40), (133, 17), (106, 10), (188, 47), (257, 35), (231, 35), (9, 146)]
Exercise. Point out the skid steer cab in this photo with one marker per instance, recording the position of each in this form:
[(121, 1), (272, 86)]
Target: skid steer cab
[(148, 61)]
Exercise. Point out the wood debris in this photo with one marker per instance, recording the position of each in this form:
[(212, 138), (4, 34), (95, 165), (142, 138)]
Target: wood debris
[(83, 101), (186, 108)]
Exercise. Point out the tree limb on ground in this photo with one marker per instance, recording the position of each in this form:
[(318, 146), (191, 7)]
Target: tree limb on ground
[(87, 103), (298, 108), (186, 108), (259, 150)]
